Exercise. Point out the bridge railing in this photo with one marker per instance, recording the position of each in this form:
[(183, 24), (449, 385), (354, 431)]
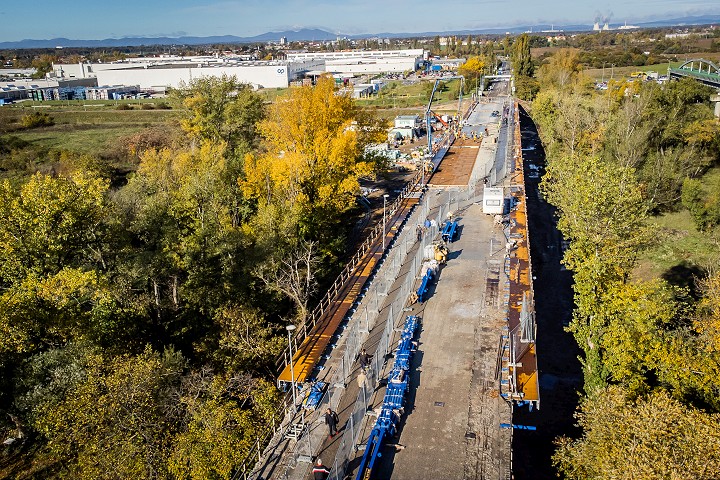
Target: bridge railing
[(342, 279)]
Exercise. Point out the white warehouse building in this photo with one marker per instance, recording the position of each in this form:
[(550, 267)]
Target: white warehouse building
[(365, 61), (160, 73)]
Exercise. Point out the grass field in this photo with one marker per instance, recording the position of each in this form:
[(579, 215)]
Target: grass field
[(661, 68), (96, 126), (624, 72), (679, 244), (397, 95), (81, 128)]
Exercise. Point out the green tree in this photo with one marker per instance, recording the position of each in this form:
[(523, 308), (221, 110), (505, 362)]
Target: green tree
[(181, 209), (224, 417), (51, 223), (602, 210), (651, 437), (119, 421), (520, 56), (222, 109), (526, 88), (53, 240)]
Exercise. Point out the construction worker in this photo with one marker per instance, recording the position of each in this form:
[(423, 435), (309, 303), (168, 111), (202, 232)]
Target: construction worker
[(331, 420), (320, 471), (364, 359)]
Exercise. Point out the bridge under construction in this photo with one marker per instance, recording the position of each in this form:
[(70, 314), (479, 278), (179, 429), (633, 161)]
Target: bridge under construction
[(451, 336)]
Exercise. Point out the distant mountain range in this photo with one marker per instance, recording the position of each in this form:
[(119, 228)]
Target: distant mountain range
[(308, 34)]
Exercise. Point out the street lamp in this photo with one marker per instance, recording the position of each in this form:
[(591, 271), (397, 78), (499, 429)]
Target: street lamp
[(290, 329), (385, 197)]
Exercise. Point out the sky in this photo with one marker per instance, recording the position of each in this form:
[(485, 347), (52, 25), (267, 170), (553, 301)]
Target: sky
[(100, 19)]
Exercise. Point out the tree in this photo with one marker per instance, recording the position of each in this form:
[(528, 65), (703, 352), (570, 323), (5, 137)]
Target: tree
[(119, 421), (472, 70), (293, 276), (222, 109), (312, 164), (526, 88), (633, 319), (53, 238), (651, 437), (50, 223), (180, 207), (42, 65), (561, 70), (520, 56), (248, 342), (602, 210), (224, 417)]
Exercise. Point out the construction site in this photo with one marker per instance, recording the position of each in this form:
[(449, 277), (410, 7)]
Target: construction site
[(439, 303)]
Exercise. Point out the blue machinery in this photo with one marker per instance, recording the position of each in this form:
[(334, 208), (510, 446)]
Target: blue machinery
[(449, 230), (424, 285), (392, 408)]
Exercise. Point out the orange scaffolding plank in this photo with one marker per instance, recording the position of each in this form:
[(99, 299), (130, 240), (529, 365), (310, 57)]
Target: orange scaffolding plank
[(521, 282)]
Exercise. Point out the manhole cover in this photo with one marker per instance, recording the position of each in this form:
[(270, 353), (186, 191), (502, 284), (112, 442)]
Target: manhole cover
[(439, 404)]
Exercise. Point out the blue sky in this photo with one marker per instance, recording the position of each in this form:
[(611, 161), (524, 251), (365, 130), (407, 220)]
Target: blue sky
[(98, 19)]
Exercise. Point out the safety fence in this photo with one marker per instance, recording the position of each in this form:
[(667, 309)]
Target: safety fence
[(434, 207), (302, 331)]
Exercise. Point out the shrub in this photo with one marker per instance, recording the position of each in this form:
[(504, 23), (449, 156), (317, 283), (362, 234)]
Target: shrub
[(123, 106), (147, 106), (37, 119)]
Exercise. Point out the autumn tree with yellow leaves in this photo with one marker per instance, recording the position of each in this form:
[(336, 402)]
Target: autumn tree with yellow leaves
[(473, 69), (310, 170)]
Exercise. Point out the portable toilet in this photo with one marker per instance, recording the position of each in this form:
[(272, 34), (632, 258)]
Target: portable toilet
[(493, 201)]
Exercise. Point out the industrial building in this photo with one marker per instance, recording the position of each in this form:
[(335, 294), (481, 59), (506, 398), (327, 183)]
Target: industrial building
[(365, 61), (158, 74)]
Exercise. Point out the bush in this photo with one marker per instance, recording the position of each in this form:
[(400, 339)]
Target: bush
[(37, 119), (163, 106), (147, 106), (703, 204), (123, 106)]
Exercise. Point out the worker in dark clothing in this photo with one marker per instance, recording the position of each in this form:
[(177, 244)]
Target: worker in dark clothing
[(320, 471), (331, 420), (364, 360)]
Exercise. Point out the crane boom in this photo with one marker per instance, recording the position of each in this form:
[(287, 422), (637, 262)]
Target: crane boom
[(428, 111)]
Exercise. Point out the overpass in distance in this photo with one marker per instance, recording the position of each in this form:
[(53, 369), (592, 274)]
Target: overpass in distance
[(704, 71)]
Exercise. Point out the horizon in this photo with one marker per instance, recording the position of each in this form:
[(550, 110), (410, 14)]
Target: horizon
[(248, 18)]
